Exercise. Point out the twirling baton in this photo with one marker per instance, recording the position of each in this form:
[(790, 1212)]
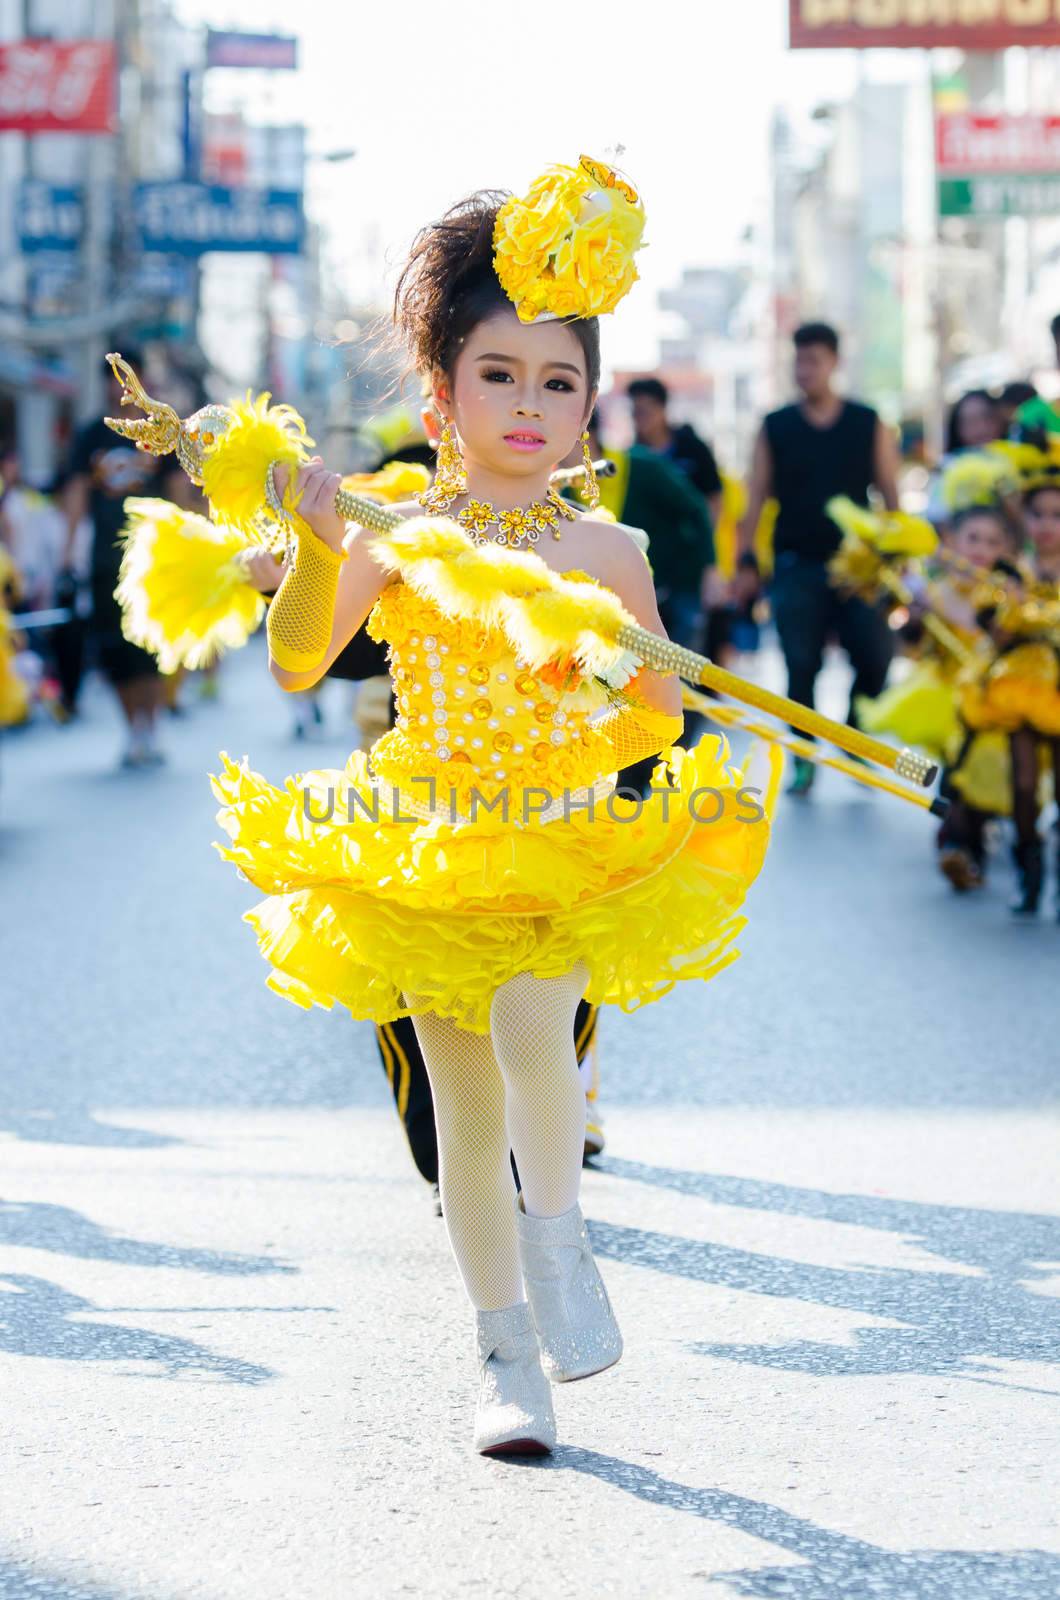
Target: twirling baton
[(730, 717), (196, 440)]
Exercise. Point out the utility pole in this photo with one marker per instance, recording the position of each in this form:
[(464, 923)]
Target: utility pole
[(100, 169)]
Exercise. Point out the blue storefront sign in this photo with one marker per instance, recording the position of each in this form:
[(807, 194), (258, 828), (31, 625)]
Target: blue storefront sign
[(190, 219), (49, 218), (165, 277)]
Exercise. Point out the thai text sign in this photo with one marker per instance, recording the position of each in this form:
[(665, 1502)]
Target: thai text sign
[(190, 219), (898, 24), (1000, 197), (966, 143), (49, 218), (58, 88)]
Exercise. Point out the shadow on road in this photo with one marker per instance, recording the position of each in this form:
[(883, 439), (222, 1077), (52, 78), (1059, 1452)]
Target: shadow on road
[(22, 1580), (952, 1322), (831, 1566), (35, 1320), (75, 1125), (40, 1226)]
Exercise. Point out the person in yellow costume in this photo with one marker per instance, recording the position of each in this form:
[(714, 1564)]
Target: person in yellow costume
[(1018, 692), (404, 885), (923, 708)]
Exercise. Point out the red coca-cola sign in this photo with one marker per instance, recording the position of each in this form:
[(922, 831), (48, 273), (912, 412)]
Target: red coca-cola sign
[(47, 87)]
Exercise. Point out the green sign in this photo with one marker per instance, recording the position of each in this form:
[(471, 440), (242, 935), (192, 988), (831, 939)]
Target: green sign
[(1025, 195)]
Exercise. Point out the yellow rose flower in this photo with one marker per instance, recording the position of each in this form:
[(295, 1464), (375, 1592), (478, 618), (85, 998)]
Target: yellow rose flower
[(564, 300), (594, 259), (531, 233)]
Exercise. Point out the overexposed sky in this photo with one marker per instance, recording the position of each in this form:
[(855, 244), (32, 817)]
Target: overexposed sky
[(442, 99)]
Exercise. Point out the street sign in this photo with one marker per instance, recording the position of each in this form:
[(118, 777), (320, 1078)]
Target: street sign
[(49, 218), (1020, 195), (922, 24), (970, 143), (191, 219), (47, 87), (165, 277), (265, 51), (237, 154)]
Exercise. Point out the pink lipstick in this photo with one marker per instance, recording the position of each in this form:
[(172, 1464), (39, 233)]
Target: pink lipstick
[(524, 439)]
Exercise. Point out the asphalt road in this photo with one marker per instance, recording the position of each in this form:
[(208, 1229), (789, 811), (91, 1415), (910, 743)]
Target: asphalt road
[(235, 1355)]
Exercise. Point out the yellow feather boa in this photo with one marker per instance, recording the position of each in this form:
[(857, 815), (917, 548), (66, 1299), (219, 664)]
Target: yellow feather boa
[(563, 622)]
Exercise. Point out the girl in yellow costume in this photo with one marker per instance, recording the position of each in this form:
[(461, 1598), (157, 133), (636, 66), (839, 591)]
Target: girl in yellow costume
[(923, 709), (1018, 694), (475, 870)]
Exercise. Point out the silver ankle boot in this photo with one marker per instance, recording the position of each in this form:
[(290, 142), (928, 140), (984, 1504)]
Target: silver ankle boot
[(514, 1416), (575, 1324)]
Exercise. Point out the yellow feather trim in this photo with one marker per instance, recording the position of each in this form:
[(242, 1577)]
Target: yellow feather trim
[(892, 533), (235, 467), (398, 480), (183, 596), (870, 538), (549, 620)]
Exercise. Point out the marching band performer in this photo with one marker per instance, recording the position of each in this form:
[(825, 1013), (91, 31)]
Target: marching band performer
[(486, 907)]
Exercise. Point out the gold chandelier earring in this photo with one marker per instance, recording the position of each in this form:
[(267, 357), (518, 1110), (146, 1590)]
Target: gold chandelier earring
[(591, 489), (450, 474)]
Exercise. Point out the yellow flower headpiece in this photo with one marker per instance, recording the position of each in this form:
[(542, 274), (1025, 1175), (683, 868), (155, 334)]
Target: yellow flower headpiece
[(979, 478), (565, 249), (1035, 468)]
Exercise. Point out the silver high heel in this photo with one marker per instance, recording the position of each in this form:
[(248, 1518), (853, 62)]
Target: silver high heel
[(575, 1324), (514, 1415)]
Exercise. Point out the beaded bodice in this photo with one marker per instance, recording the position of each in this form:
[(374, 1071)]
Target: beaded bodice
[(469, 714)]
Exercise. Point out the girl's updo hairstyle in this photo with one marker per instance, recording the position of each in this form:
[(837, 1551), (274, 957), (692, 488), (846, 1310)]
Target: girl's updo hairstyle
[(449, 286)]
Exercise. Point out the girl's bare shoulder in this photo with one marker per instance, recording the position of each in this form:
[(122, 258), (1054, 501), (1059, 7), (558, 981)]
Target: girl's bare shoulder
[(612, 546)]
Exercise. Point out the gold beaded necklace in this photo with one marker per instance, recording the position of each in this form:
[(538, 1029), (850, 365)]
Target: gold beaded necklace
[(513, 526)]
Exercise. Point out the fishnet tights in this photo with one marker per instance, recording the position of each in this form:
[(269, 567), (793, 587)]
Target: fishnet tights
[(519, 1089)]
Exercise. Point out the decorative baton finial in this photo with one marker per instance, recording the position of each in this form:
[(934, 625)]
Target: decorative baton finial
[(158, 430)]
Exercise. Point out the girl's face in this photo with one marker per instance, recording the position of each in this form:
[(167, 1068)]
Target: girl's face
[(519, 395), (977, 423), (981, 540), (1042, 516)]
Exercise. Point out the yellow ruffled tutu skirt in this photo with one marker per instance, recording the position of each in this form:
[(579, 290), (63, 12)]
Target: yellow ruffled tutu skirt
[(395, 918), (1020, 689)]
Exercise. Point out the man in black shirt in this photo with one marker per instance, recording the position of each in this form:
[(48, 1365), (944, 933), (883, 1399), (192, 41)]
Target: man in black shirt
[(104, 470), (806, 453)]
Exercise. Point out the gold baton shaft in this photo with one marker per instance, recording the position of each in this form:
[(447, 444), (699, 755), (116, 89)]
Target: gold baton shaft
[(665, 656), (731, 717)]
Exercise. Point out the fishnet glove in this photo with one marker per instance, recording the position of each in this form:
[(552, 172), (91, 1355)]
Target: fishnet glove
[(302, 611)]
